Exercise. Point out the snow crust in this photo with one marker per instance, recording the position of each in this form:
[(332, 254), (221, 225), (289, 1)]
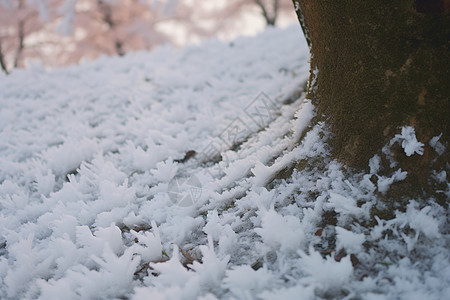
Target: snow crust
[(89, 154)]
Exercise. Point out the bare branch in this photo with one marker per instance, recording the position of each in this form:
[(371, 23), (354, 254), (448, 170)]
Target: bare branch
[(270, 20)]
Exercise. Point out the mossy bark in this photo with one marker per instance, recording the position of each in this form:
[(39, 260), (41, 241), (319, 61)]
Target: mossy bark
[(376, 66)]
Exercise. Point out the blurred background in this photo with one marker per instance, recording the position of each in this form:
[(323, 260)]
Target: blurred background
[(63, 32)]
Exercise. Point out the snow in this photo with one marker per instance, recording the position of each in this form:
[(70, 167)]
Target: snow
[(384, 182), (374, 164), (409, 141), (326, 273), (284, 232), (348, 240), (89, 159), (437, 146)]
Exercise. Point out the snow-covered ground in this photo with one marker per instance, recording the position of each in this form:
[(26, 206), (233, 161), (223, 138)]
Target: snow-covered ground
[(103, 197)]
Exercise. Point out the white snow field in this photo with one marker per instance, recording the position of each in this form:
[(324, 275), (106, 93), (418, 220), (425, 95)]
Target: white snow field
[(102, 197)]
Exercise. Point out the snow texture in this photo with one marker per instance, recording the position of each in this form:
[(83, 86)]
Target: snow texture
[(89, 156), (409, 141)]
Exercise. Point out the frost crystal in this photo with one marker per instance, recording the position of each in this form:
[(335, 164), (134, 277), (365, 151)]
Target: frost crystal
[(85, 182), (409, 141), (436, 145)]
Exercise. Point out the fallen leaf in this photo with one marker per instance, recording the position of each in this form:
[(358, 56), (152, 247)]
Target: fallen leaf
[(354, 259), (341, 254)]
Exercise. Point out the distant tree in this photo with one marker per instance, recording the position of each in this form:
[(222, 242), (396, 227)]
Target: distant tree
[(116, 27), (377, 66), (20, 20), (60, 32), (269, 10), (233, 9), (2, 59)]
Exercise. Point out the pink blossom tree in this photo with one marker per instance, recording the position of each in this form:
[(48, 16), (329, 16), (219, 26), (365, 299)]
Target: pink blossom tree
[(114, 28), (269, 9), (20, 20), (117, 27), (224, 17), (64, 31), (61, 32)]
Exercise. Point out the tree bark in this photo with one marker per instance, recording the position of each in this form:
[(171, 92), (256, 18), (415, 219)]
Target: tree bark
[(2, 59), (377, 66)]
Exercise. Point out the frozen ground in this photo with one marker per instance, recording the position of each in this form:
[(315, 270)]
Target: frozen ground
[(101, 196)]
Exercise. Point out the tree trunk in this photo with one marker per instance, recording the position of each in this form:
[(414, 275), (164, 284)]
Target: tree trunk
[(21, 46), (270, 19), (2, 59), (107, 17), (377, 66)]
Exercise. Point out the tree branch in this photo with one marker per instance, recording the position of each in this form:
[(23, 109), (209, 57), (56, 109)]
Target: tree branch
[(276, 6), (21, 43), (270, 21)]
